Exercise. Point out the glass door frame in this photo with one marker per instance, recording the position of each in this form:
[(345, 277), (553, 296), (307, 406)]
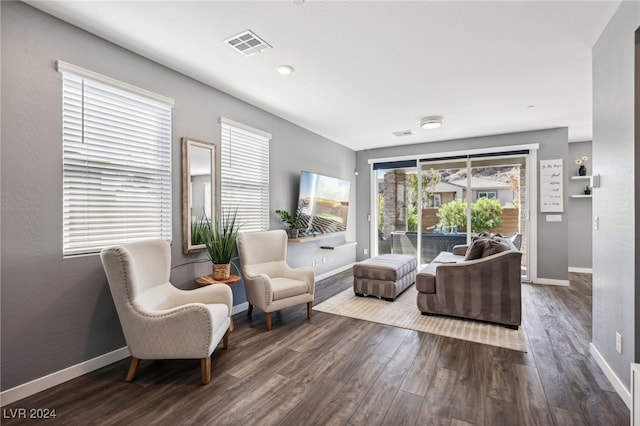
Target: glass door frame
[(530, 213)]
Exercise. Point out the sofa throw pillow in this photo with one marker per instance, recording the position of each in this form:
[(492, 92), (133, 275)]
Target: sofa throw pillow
[(516, 240), (475, 249), (506, 241), (481, 235), (493, 246)]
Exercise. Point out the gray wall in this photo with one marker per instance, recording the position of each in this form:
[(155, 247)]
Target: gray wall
[(579, 212), (552, 237), (614, 247), (58, 312)]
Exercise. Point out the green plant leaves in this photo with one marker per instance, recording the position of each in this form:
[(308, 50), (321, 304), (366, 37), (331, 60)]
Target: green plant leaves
[(486, 214), (220, 238)]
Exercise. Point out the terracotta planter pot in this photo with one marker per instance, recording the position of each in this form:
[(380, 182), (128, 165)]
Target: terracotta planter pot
[(221, 272)]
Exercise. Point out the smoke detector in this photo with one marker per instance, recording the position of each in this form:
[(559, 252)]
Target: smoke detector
[(247, 43)]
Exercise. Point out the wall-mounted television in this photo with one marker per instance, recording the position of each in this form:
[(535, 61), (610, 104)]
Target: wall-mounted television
[(324, 203)]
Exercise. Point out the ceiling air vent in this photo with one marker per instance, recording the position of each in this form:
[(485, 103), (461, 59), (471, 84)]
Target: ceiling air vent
[(403, 133), (247, 43)]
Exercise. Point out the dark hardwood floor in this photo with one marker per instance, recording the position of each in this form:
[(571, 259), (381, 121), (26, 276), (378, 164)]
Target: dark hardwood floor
[(341, 371)]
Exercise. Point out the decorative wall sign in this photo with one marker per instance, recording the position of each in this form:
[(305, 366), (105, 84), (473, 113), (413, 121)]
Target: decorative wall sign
[(551, 198)]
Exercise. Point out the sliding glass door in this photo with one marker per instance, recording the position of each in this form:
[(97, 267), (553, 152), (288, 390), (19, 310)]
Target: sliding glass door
[(499, 185), (442, 187), (427, 206), (396, 210)]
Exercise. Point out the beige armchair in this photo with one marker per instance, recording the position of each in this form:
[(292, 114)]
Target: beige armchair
[(159, 320), (269, 282)]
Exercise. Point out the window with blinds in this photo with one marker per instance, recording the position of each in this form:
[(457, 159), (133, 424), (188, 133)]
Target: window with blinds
[(116, 163), (244, 174)]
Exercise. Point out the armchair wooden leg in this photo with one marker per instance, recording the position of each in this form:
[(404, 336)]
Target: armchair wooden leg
[(133, 367), (205, 368), (225, 339), (250, 309), (268, 315), (309, 305)]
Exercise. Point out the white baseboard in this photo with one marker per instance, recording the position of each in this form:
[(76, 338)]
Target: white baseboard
[(31, 388), (620, 388), (334, 272), (240, 308), (580, 270), (548, 281)]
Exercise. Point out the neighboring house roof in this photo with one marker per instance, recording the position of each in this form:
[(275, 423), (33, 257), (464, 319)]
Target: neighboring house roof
[(481, 184), (445, 187)]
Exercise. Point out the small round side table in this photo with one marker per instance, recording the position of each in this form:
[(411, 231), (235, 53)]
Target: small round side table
[(208, 280)]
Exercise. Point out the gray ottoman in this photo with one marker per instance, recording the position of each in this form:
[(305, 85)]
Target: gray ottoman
[(384, 276)]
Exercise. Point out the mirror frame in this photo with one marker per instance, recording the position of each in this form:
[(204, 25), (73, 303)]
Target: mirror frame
[(187, 143)]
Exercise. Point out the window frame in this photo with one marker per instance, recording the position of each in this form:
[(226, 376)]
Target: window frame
[(116, 162), (248, 171), (486, 194)]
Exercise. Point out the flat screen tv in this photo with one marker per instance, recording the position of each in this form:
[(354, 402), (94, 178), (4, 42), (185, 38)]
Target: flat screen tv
[(324, 203)]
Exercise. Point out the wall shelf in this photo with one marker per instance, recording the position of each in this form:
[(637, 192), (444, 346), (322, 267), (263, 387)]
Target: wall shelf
[(594, 181), (336, 246), (310, 239)]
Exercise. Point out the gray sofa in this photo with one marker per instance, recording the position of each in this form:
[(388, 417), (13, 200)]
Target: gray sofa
[(468, 285)]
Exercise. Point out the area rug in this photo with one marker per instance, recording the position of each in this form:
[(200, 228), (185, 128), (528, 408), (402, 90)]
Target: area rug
[(404, 313)]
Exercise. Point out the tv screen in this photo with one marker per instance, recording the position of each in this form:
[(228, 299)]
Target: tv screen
[(323, 202)]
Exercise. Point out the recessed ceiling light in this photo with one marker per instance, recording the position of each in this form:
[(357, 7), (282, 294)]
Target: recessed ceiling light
[(431, 122), (285, 69)]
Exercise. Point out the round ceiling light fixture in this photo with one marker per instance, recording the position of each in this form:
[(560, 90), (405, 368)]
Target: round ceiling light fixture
[(431, 122), (285, 69)]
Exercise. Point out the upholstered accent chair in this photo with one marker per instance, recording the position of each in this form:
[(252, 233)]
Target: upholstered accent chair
[(269, 282), (159, 320)]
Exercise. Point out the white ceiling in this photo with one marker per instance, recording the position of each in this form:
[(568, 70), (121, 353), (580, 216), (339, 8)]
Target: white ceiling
[(366, 69)]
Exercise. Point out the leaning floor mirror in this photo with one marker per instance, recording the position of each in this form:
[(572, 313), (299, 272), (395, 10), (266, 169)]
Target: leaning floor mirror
[(198, 191)]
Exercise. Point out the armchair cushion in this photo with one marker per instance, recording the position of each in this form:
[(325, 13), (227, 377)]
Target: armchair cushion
[(286, 287)]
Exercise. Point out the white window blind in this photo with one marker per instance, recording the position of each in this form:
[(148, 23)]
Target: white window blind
[(116, 165), (244, 174)]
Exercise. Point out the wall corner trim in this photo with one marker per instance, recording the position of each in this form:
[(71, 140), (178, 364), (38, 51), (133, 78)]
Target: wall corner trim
[(37, 385), (620, 388)]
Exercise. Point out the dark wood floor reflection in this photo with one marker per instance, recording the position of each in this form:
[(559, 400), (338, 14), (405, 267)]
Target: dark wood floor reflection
[(336, 370)]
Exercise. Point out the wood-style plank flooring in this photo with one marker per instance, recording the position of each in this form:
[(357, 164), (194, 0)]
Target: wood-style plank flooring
[(334, 370)]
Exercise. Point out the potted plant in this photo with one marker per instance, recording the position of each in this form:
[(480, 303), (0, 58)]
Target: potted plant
[(294, 221), (199, 227), (220, 240)]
